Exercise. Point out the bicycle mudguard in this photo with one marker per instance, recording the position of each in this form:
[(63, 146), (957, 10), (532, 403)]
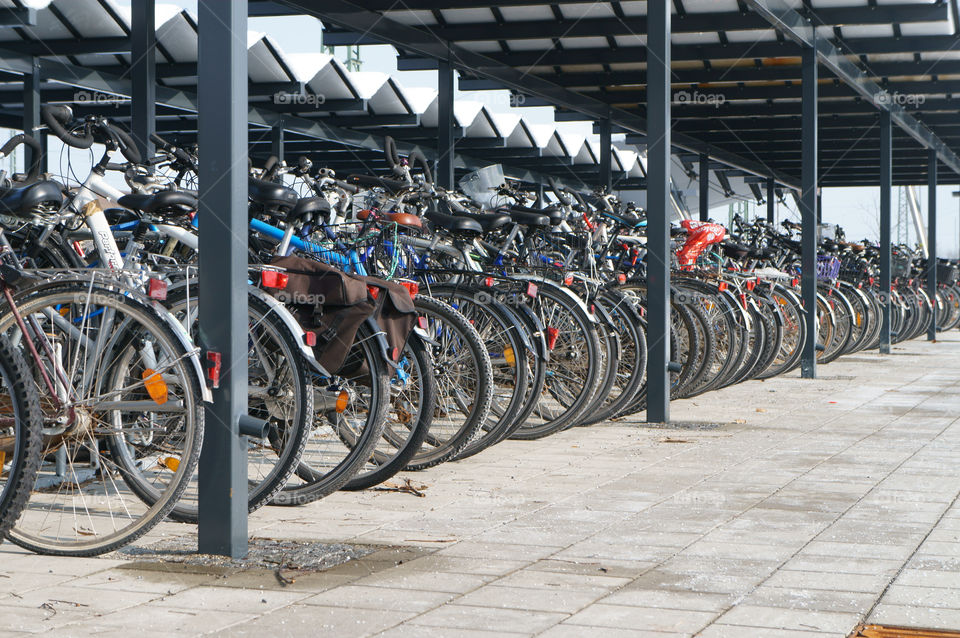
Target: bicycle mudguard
[(543, 282), (381, 338), (290, 322), (183, 337)]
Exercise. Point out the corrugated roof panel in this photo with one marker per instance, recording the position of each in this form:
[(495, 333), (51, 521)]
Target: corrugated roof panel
[(331, 81), (710, 6), (522, 14), (631, 40), (855, 31), (482, 46), (531, 45), (927, 28), (583, 43), (695, 38), (263, 65), (752, 35), (583, 10), (415, 18), (467, 16), (178, 36)]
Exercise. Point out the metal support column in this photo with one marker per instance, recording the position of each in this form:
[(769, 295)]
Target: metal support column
[(277, 141), (445, 142), (31, 114), (771, 200), (658, 211), (222, 126), (932, 242), (704, 187), (143, 75), (606, 144), (886, 195), (808, 211)]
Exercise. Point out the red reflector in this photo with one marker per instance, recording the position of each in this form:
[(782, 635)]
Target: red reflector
[(488, 282), (310, 338), (274, 279), (395, 354), (77, 248), (422, 322), (214, 361), (794, 282), (751, 285), (157, 289), (622, 278), (532, 290), (412, 287), (568, 280), (722, 286), (374, 291), (552, 334)]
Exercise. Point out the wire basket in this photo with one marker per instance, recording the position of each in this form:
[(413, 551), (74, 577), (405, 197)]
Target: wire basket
[(900, 263), (828, 267), (947, 273)]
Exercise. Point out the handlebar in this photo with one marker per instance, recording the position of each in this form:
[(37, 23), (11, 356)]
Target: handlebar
[(26, 140), (57, 118)]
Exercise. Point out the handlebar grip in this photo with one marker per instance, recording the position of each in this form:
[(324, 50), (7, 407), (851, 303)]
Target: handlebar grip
[(390, 150), (57, 118), (350, 188), (416, 157), (26, 140), (270, 168), (127, 146)]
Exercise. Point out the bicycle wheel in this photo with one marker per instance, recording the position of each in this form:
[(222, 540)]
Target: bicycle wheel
[(409, 416), (279, 392), (502, 337), (342, 440), (123, 424), (573, 366), (464, 381), (20, 441)]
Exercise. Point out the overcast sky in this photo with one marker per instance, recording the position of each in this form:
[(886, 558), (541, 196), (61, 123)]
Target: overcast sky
[(856, 209)]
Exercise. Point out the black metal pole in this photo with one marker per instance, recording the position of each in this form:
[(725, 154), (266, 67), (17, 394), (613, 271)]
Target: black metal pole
[(606, 145), (771, 200), (143, 75), (277, 139), (808, 212), (932, 242), (445, 142), (32, 100), (658, 211), (222, 126), (704, 187), (886, 194)]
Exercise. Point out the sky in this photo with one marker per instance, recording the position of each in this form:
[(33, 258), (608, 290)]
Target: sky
[(856, 209)]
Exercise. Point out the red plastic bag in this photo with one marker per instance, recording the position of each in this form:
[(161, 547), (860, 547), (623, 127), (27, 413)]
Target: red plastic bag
[(700, 236)]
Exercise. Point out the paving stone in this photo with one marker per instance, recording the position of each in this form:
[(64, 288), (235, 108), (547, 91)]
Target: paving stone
[(455, 616)]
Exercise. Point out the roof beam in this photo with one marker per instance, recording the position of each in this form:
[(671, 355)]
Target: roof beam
[(633, 25), (351, 16), (779, 14)]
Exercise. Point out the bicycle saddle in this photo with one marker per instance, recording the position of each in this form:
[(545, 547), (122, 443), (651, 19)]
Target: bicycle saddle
[(307, 208), (454, 224), (271, 195), (22, 201), (401, 219), (162, 203), (527, 218), (488, 221), (553, 213)]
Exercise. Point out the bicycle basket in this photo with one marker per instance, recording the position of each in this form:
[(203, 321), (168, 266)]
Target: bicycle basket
[(481, 186), (828, 267), (947, 273)]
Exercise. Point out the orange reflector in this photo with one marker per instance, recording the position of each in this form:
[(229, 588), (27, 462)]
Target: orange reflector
[(155, 385), (509, 356), (722, 286), (172, 463), (568, 280), (343, 400), (3, 458), (622, 278)]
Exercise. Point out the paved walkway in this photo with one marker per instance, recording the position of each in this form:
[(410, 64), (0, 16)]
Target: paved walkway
[(815, 505)]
